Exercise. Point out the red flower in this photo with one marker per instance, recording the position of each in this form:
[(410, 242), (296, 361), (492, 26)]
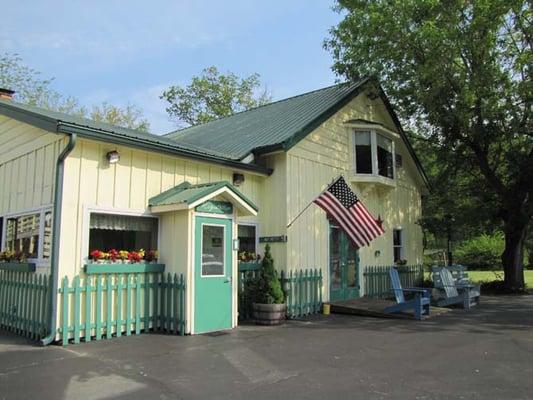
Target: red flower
[(96, 255), (113, 255), (134, 257)]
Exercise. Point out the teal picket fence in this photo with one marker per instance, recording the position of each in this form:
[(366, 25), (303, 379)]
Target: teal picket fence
[(24, 303), (303, 289), (304, 292), (104, 306), (377, 283), (247, 272)]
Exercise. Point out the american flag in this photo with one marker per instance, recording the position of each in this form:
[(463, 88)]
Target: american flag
[(341, 203)]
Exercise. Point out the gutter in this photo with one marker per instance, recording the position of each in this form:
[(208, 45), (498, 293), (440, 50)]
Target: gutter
[(56, 234), (143, 144)]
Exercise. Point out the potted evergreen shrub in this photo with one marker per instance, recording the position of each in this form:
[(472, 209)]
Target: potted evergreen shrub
[(268, 306)]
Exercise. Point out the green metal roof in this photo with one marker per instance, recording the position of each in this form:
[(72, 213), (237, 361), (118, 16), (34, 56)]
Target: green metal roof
[(186, 193), (277, 125), (65, 123)]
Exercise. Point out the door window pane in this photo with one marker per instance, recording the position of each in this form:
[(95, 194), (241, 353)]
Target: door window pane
[(351, 271), (212, 250), (335, 258), (363, 152), (385, 167)]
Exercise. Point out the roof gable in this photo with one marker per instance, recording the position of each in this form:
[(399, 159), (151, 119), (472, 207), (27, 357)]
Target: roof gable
[(188, 196)]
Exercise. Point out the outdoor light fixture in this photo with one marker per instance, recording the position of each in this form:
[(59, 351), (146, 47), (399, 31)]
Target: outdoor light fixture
[(238, 179), (377, 253), (113, 157)]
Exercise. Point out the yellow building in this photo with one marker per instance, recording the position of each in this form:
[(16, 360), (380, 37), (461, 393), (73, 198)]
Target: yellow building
[(202, 195)]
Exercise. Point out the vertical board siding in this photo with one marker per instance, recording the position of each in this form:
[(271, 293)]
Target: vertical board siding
[(104, 306), (378, 282), (24, 303), (303, 289), (90, 182), (323, 155), (27, 165)]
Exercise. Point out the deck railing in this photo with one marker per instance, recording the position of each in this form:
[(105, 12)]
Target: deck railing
[(378, 283), (104, 306), (302, 287), (24, 300)]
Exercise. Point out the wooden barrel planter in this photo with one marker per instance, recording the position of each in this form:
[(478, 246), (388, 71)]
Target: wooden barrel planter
[(269, 314)]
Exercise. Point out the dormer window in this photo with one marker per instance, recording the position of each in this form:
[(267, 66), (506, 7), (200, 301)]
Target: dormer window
[(373, 154)]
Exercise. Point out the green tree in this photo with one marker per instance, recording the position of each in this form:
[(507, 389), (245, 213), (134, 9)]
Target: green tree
[(459, 72), (31, 88), (213, 95), (128, 116)]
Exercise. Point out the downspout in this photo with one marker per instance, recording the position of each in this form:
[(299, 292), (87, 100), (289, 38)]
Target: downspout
[(56, 233)]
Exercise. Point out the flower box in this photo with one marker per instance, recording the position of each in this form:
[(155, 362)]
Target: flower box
[(119, 268), (249, 265), (17, 266)]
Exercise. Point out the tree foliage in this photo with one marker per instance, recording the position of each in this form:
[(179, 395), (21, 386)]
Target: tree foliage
[(31, 88), (459, 72), (213, 95)]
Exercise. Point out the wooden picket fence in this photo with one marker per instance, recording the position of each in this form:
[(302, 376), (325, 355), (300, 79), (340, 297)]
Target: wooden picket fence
[(378, 283), (304, 292), (112, 305), (302, 287), (24, 300)]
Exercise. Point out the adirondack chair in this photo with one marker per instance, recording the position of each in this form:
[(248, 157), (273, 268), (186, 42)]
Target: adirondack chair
[(419, 304), (455, 293)]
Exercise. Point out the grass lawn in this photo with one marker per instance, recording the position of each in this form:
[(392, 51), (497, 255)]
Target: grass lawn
[(485, 276)]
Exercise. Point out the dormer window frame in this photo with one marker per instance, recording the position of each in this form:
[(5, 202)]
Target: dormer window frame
[(375, 131)]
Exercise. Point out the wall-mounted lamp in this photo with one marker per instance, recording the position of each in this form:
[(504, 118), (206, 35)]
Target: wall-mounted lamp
[(377, 253), (238, 179), (113, 157)]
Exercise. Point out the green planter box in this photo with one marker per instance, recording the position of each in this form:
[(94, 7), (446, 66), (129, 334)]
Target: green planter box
[(115, 268), (249, 266), (19, 267)]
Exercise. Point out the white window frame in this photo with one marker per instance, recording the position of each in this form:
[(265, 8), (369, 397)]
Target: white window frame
[(112, 211), (39, 261), (256, 225), (401, 246), (374, 151)]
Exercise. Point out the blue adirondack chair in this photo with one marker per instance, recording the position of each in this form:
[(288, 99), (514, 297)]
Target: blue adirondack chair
[(453, 292), (419, 303)]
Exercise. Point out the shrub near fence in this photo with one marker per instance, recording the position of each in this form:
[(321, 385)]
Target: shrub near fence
[(117, 304), (24, 300), (378, 283), (302, 287)]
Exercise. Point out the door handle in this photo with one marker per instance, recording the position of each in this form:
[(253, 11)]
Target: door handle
[(228, 280)]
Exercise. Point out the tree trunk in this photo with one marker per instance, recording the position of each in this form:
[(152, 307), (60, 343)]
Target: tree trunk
[(513, 255)]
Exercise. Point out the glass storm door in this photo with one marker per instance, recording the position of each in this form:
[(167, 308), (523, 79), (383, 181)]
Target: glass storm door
[(343, 266), (213, 270)]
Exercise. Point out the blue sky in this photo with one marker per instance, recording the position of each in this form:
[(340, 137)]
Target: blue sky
[(130, 51)]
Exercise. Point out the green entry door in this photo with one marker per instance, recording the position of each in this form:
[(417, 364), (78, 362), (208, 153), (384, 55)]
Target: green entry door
[(213, 274), (343, 266)]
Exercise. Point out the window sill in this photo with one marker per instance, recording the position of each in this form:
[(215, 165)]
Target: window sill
[(117, 268), (374, 179), (16, 266)]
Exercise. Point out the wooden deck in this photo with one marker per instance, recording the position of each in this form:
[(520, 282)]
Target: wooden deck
[(374, 308)]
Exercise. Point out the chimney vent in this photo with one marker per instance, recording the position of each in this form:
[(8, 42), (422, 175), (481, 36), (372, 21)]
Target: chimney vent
[(6, 94)]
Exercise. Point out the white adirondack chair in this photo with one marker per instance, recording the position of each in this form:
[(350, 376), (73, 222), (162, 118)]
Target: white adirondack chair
[(454, 293)]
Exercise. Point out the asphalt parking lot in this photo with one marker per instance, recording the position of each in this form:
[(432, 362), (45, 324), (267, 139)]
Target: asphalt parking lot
[(484, 354)]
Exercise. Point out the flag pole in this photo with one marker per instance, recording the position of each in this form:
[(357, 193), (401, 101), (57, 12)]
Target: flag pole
[(311, 202)]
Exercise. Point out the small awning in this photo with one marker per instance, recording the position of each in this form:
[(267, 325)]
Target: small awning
[(186, 196)]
